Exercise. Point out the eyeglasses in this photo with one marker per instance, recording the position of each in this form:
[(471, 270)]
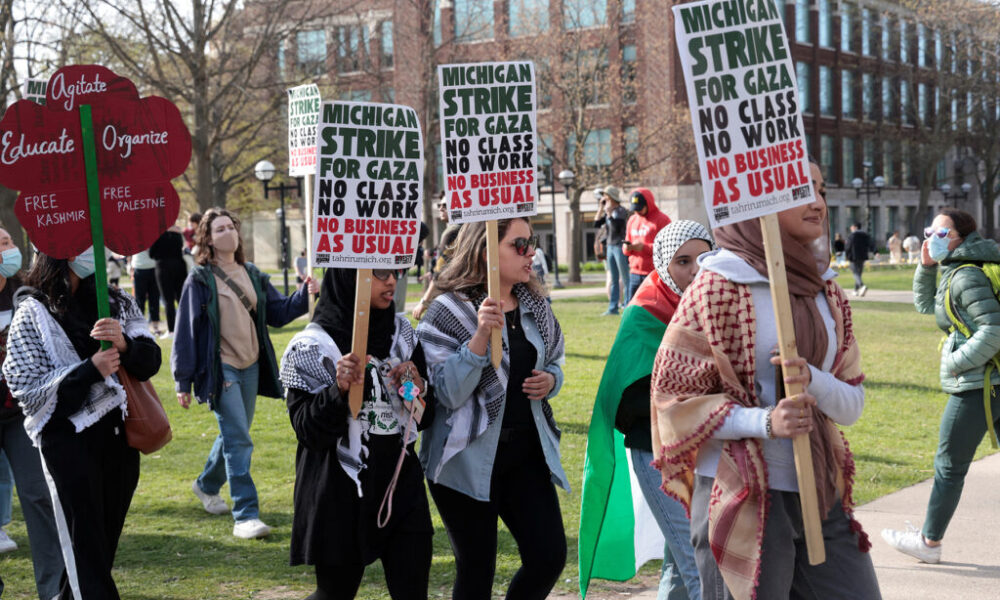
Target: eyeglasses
[(385, 274), (941, 232), (524, 245)]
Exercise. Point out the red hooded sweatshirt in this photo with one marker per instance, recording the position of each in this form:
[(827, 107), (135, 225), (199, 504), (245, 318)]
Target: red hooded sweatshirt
[(643, 229)]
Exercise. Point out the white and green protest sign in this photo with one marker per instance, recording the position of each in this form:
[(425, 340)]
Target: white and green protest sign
[(34, 90), (745, 108), (489, 140), (369, 186), (303, 114)]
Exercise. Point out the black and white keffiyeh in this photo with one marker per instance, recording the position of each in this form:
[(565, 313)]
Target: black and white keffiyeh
[(451, 321), (309, 363), (669, 240), (40, 356)]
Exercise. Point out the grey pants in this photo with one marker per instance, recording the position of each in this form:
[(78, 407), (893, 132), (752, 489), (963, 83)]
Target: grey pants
[(785, 571)]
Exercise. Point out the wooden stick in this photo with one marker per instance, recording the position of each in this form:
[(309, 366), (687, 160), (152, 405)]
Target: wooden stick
[(786, 344), (493, 270), (307, 215), (359, 341)]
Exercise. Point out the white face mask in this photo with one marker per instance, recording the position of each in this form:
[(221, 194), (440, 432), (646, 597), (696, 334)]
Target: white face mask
[(83, 265), (226, 242)]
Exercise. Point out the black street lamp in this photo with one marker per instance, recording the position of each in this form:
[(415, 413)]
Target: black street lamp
[(964, 194), (868, 186), (566, 178), (264, 171)]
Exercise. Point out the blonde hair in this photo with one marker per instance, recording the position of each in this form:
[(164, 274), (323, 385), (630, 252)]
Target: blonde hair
[(466, 273)]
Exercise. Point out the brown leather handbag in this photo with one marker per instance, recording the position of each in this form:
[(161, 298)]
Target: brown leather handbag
[(147, 428)]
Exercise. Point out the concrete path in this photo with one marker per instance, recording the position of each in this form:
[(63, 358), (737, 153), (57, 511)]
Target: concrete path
[(905, 297)]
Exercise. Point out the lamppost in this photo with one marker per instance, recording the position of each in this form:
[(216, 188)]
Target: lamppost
[(264, 171), (964, 194), (865, 186), (566, 178)]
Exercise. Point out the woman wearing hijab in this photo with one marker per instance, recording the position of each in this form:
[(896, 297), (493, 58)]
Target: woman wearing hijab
[(359, 488), (74, 408), (722, 426), (623, 404), (493, 452)]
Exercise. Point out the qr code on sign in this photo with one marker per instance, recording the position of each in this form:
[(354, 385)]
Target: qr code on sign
[(401, 259), (800, 192), (525, 207), (323, 258), (456, 214), (722, 213)]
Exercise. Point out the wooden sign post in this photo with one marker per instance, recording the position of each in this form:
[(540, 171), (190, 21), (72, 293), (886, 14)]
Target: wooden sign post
[(752, 157), (359, 340), (493, 287)]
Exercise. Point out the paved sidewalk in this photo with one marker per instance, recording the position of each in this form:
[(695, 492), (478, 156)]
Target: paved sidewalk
[(905, 297)]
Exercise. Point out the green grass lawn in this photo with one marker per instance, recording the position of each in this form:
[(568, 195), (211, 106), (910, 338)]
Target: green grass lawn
[(172, 549)]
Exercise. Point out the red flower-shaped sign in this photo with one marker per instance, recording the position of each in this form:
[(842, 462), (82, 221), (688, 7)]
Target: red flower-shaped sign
[(141, 145)]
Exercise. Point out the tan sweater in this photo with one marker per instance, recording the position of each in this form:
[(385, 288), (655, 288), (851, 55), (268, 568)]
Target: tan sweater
[(238, 332)]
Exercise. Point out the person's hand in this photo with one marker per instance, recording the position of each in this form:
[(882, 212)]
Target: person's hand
[(106, 361), (793, 416), (419, 310), (490, 317), (804, 375), (312, 285), (538, 386), (109, 330), (184, 399), (925, 254), (350, 372), (397, 373)]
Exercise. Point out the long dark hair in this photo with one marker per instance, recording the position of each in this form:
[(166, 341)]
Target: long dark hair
[(48, 281), (203, 236)]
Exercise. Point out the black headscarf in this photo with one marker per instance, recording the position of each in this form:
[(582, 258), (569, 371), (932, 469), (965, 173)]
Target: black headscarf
[(335, 314)]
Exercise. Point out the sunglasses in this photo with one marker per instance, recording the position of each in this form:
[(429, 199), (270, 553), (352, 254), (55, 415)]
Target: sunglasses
[(385, 274), (524, 245), (941, 232)]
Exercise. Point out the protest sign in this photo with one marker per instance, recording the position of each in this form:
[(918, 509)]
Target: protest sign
[(34, 90), (745, 110), (488, 140), (303, 114)]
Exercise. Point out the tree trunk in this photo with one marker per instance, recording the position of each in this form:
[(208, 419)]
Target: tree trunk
[(575, 243)]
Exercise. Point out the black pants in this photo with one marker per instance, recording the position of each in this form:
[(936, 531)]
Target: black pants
[(170, 276), (857, 268), (406, 562), (522, 494), (95, 474), (146, 289)]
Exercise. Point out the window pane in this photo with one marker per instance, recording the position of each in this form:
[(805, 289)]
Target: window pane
[(628, 74), (846, 27), (584, 13), (889, 163), (802, 21), (631, 135), (921, 45), (386, 40), (826, 91), (825, 23), (282, 66), (528, 17), (886, 37), (868, 96), (904, 42), (802, 73), (848, 156), (888, 98), (826, 158), (922, 102), (473, 20), (847, 94), (311, 51), (866, 31), (628, 11), (905, 102)]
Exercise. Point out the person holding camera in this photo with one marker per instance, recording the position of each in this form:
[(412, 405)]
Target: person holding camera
[(611, 213)]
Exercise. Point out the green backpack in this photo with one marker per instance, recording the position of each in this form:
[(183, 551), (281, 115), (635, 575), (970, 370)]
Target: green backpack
[(992, 272)]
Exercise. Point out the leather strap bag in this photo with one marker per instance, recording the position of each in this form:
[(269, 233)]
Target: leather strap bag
[(147, 428)]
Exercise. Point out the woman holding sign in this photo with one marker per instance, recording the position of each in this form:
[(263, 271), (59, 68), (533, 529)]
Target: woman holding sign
[(74, 408), (493, 451), (222, 350), (359, 488), (722, 426)]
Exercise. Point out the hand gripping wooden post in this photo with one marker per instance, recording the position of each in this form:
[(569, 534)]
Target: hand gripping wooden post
[(493, 271), (786, 344), (359, 340)]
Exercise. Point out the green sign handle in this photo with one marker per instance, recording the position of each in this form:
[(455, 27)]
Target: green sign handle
[(96, 220)]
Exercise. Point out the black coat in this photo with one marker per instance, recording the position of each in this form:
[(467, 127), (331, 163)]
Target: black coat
[(858, 246)]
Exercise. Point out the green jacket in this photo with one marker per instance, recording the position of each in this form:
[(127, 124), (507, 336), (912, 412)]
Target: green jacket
[(962, 359)]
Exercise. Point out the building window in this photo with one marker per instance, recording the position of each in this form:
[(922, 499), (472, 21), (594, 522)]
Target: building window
[(868, 156), (802, 21), (848, 157), (802, 73), (825, 23), (921, 45), (352, 43), (282, 65), (866, 31), (906, 102), (907, 171), (886, 37), (596, 148), (938, 49), (356, 95), (628, 74), (922, 103), (628, 11), (826, 157), (826, 91), (631, 139), (889, 163), (868, 96), (385, 40), (904, 42), (846, 27), (942, 171), (578, 14), (847, 94), (527, 17), (473, 20), (888, 98), (389, 95), (310, 51)]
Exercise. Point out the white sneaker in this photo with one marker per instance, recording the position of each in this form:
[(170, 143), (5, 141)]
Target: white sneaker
[(251, 529), (912, 542), (863, 290), (166, 335), (213, 503), (6, 544)]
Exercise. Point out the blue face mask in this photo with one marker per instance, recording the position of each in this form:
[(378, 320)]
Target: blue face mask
[(11, 262), (83, 265), (938, 247)]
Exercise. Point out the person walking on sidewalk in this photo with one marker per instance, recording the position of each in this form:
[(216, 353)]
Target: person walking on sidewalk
[(611, 213), (859, 243), (223, 352), (640, 231), (953, 250)]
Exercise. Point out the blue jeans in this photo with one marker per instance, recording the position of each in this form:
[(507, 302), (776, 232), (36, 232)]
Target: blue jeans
[(634, 281), (6, 490), (230, 455), (679, 574), (617, 265)]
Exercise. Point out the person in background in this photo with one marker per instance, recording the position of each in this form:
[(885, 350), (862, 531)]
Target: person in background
[(493, 448), (222, 351), (189, 232), (911, 244), (895, 245), (400, 298), (539, 264), (171, 270), (640, 231), (623, 403), (74, 407), (859, 244), (301, 269), (838, 249), (442, 255), (114, 268), (143, 272), (612, 214), (351, 508)]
